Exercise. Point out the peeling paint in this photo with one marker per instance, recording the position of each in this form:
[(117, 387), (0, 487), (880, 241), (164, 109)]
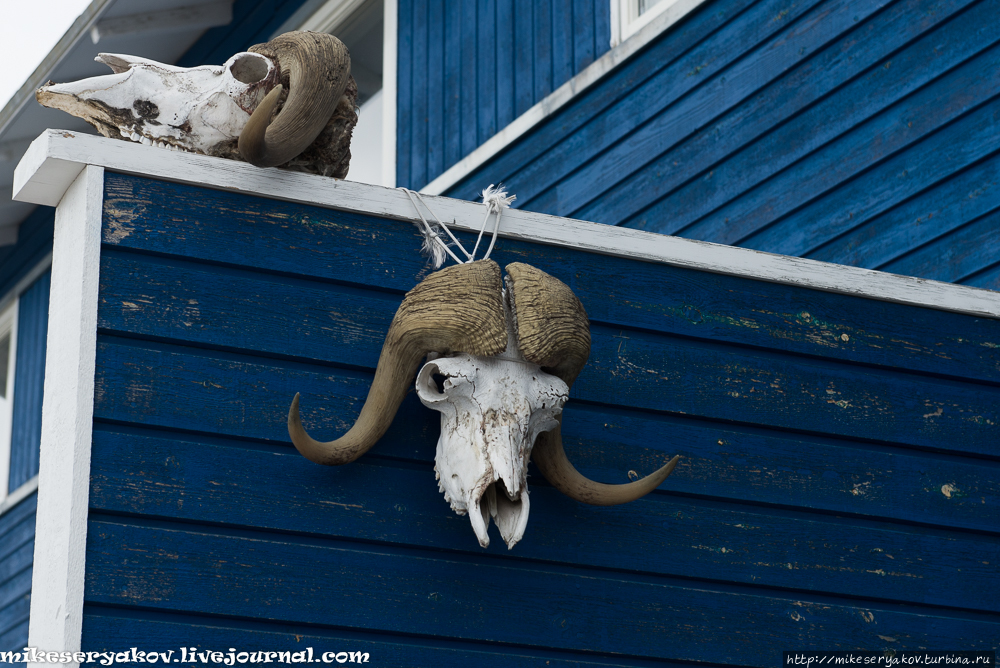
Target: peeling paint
[(116, 231)]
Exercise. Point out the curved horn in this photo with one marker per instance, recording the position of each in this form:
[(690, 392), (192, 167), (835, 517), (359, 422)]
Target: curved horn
[(553, 332), (457, 309), (318, 66), (551, 460)]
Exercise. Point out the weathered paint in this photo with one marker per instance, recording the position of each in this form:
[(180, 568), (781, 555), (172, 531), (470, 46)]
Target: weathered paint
[(838, 480)]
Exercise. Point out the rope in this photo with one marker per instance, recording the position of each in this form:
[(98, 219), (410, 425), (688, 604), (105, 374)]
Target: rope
[(435, 249)]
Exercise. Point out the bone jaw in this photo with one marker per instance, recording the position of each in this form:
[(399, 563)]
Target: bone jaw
[(133, 136)]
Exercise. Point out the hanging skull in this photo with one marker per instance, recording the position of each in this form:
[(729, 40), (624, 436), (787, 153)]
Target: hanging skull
[(226, 110), (500, 364), (492, 409)]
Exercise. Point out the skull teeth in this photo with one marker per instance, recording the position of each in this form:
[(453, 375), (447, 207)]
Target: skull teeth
[(131, 134)]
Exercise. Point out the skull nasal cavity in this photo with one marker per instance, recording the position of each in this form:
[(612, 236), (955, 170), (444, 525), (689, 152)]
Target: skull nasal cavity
[(249, 69), (145, 109)]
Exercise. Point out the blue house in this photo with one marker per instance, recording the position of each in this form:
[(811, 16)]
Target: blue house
[(827, 365)]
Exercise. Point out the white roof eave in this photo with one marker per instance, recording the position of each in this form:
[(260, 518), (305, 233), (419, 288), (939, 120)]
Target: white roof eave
[(72, 58)]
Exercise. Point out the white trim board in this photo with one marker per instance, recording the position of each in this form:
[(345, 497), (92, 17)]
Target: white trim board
[(390, 54), (18, 495), (8, 329), (25, 282), (56, 157), (562, 96), (57, 581)]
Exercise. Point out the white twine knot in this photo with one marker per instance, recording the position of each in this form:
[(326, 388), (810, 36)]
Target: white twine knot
[(496, 199), (436, 249)]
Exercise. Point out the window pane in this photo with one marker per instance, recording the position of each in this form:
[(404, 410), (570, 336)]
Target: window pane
[(4, 364), (646, 4)]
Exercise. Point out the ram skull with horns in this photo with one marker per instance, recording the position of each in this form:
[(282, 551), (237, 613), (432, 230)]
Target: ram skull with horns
[(289, 102), (499, 366)]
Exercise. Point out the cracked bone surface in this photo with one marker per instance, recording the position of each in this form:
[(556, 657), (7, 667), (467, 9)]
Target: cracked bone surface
[(492, 409), (299, 83), (197, 109), (486, 348)]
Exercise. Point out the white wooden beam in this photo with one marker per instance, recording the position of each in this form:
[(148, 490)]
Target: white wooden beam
[(330, 16), (390, 55), (18, 495), (57, 156), (67, 420)]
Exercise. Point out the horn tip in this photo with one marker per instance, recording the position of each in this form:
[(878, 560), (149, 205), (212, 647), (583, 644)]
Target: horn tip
[(664, 472)]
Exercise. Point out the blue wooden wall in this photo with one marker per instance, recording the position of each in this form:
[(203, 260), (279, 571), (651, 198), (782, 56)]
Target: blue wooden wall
[(838, 487), (17, 547), (467, 69), (34, 242), (859, 132), (26, 424), (17, 524)]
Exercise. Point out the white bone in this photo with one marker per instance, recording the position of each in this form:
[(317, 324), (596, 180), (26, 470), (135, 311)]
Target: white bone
[(195, 109), (492, 409)]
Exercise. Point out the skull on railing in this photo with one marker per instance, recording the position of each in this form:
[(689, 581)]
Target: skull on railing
[(227, 110)]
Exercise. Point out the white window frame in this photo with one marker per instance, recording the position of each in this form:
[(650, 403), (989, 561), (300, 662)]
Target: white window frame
[(9, 307), (627, 21), (8, 327)]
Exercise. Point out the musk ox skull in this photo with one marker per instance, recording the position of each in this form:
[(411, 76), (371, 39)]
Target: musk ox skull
[(492, 409), (500, 365), (227, 111)]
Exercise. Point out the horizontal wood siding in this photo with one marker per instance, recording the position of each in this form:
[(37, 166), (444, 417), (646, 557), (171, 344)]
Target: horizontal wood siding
[(839, 480), (850, 131), (17, 524), (17, 545), (467, 69), (26, 428)]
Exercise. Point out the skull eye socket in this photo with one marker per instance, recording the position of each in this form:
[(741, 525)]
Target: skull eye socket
[(249, 68), (433, 383), (430, 383)]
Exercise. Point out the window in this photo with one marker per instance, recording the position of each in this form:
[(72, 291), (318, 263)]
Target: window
[(24, 316), (8, 357), (630, 16)]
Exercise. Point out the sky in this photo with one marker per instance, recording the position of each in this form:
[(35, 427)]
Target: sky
[(28, 32)]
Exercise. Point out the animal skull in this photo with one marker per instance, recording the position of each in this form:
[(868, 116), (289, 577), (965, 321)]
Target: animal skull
[(227, 110), (492, 409), (506, 360), (196, 109)]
